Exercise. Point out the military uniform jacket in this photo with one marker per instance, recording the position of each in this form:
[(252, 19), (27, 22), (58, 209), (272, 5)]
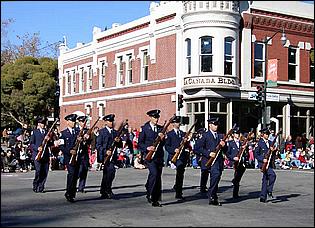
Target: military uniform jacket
[(84, 147), (261, 149), (104, 142), (36, 140), (147, 137), (68, 142), (172, 142), (206, 144), (233, 149)]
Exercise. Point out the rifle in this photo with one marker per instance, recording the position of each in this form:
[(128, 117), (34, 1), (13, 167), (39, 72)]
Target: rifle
[(182, 144), (242, 149), (158, 139), (77, 144), (268, 156), (211, 160), (113, 146), (91, 129), (89, 134), (44, 143)]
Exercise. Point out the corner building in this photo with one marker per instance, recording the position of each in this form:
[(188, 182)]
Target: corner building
[(211, 52)]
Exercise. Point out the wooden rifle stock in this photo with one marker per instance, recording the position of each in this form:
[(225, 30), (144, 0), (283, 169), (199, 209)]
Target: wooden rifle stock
[(44, 143), (76, 147), (158, 139), (182, 144), (211, 160), (268, 155), (89, 132), (113, 146), (242, 149)]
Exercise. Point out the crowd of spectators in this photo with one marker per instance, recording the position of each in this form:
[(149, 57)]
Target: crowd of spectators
[(297, 154)]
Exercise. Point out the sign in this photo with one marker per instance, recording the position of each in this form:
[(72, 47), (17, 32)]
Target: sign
[(210, 81), (270, 96), (272, 76)]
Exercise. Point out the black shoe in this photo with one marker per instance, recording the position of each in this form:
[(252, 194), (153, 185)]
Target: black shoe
[(262, 200), (203, 190), (270, 195), (41, 191), (149, 199), (179, 197), (156, 204), (111, 195), (104, 196), (69, 198), (215, 202), (35, 190), (236, 196)]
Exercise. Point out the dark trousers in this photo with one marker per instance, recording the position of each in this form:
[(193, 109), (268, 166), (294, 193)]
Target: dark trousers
[(83, 171), (154, 181), (41, 173), (204, 179), (238, 173), (109, 172), (180, 170), (268, 181), (72, 179), (215, 176)]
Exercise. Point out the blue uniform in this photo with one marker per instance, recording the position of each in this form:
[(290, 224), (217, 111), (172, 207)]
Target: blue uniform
[(172, 142), (155, 166), (268, 178), (232, 151), (204, 145), (103, 143), (69, 141), (84, 162), (41, 166)]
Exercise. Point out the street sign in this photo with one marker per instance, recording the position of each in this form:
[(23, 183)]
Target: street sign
[(270, 96)]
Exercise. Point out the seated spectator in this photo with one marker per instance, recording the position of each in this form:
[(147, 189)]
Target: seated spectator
[(121, 160), (137, 164), (9, 162)]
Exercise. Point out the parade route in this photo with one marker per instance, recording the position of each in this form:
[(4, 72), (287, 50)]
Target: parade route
[(292, 205)]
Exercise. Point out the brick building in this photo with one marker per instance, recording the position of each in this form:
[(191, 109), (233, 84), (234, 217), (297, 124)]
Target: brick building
[(211, 52)]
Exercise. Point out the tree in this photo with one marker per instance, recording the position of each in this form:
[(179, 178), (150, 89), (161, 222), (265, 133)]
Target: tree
[(27, 89), (28, 45)]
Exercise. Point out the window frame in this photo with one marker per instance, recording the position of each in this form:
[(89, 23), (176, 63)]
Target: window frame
[(201, 55)]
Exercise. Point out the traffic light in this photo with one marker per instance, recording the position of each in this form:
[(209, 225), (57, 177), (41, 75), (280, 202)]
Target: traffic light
[(259, 94), (180, 101)]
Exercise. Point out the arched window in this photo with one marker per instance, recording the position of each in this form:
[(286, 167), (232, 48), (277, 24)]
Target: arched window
[(228, 55), (206, 54), (188, 55)]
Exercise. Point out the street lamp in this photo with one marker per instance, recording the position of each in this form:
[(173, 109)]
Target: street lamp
[(283, 40)]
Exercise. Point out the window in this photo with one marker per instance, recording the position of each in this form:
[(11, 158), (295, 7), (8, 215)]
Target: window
[(312, 65), (292, 68), (101, 110), (103, 68), (145, 67), (68, 83), (90, 78), (228, 55), (120, 71), (129, 69), (74, 82), (259, 60), (188, 55), (81, 84), (206, 54)]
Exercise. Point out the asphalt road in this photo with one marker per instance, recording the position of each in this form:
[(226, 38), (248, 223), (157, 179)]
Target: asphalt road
[(292, 206)]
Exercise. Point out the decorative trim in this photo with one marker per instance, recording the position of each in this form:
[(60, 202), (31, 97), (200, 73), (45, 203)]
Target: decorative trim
[(129, 30)]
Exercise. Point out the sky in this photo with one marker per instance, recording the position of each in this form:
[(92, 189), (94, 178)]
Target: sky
[(73, 19)]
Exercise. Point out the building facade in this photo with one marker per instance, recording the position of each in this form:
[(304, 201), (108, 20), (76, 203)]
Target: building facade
[(211, 52)]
